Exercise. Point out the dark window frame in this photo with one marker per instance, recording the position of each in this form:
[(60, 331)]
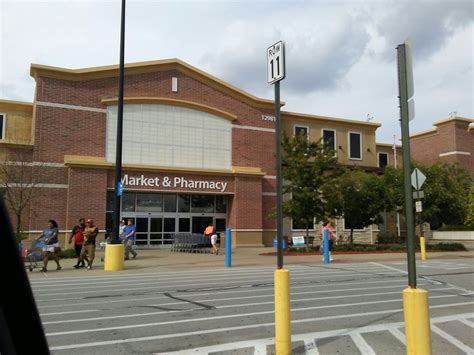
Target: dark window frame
[(350, 150)]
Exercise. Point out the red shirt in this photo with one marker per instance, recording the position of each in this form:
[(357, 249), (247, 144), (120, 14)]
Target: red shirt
[(78, 235)]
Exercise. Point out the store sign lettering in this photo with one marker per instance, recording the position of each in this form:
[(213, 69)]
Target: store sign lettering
[(173, 182)]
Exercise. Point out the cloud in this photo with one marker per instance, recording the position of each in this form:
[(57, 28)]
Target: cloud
[(317, 57), (429, 24)]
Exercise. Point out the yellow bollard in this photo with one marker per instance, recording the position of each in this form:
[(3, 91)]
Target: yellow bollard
[(423, 248), (282, 312), (417, 321), (114, 256)]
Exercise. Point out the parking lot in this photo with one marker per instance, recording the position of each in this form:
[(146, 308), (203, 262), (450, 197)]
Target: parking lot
[(345, 308)]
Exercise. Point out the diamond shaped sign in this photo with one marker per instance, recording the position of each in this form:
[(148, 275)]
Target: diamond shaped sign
[(417, 179)]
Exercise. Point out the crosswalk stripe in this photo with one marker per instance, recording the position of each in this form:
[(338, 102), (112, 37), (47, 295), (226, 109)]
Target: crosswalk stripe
[(362, 345), (452, 340), (399, 335), (88, 330)]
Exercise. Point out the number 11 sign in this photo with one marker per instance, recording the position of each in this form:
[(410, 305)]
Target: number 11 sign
[(276, 62)]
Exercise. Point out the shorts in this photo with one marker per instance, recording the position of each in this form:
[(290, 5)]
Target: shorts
[(214, 239), (77, 249), (51, 248)]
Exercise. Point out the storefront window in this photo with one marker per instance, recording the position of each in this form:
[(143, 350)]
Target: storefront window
[(184, 203), (202, 203), (184, 224), (128, 202), (149, 202), (221, 204), (169, 202)]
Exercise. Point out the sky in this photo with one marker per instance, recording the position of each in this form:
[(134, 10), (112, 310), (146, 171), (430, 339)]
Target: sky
[(340, 55)]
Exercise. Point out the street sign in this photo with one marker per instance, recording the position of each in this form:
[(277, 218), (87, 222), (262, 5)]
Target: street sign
[(417, 179), (119, 188), (411, 109), (418, 195), (276, 62), (418, 206)]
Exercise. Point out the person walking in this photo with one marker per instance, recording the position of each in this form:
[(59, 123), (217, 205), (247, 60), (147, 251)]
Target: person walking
[(129, 238), (88, 248), (51, 245), (121, 230), (210, 232), (77, 234), (327, 226)]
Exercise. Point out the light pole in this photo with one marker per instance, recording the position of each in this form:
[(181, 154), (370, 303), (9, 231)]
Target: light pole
[(118, 149), (114, 252)]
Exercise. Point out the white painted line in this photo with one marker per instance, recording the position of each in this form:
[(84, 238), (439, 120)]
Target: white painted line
[(390, 268), (175, 274), (165, 287), (174, 280), (234, 291), (300, 337), (309, 338), (452, 340), (340, 305), (466, 322), (70, 312), (311, 347), (362, 345), (399, 335), (259, 349)]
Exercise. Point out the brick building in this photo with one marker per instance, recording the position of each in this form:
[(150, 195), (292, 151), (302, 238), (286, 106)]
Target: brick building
[(451, 141), (196, 150)]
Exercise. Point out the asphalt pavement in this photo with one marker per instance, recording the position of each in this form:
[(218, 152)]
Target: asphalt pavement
[(351, 306)]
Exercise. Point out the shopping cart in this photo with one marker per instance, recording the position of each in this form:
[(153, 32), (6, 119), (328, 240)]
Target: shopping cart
[(33, 256), (191, 243)]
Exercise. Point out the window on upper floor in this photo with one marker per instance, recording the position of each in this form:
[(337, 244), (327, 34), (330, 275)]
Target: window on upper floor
[(355, 224), (383, 160), (329, 139), (3, 123), (163, 135), (355, 145), (300, 130), (299, 225)]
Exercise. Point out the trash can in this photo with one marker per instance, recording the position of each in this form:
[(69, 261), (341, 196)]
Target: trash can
[(284, 244)]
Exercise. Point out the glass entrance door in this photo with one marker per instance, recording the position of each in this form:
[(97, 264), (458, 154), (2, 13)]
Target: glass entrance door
[(200, 223), (155, 231)]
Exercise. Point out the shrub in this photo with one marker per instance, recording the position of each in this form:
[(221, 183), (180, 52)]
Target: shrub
[(67, 253), (446, 247)]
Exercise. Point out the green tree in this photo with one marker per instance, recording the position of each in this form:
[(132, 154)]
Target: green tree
[(470, 208), (447, 189), (359, 197), (306, 169)]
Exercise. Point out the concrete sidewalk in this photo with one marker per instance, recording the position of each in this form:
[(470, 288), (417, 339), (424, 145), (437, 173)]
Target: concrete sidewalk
[(159, 260)]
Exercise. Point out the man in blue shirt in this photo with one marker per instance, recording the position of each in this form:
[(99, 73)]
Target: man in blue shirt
[(129, 238)]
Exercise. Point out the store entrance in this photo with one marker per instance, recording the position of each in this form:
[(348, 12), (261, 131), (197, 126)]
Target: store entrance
[(158, 216), (200, 223), (154, 231)]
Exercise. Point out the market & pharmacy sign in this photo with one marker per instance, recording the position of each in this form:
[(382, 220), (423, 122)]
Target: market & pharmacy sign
[(176, 182)]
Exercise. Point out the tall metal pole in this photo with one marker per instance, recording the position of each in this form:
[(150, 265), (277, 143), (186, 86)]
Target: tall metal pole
[(402, 79), (118, 149), (395, 165), (279, 179)]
